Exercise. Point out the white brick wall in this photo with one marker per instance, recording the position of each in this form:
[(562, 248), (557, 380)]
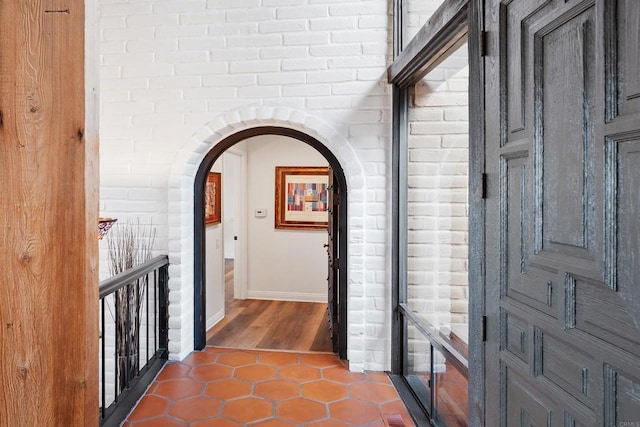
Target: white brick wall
[(418, 13), (438, 182), (177, 76), (174, 69)]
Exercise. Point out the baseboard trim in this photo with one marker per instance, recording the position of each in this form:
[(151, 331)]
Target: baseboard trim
[(287, 296), (211, 321)]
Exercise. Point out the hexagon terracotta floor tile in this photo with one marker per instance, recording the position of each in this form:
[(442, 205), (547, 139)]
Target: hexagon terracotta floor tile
[(226, 388)]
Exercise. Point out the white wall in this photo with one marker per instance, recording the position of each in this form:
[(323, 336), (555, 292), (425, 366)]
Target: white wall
[(282, 264), (178, 76), (230, 191), (438, 195)]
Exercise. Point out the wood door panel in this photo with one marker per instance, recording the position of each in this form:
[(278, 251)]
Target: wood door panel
[(622, 29), (536, 290), (515, 335), (531, 284), (541, 403), (523, 407), (514, 18), (627, 206), (514, 196), (564, 136), (601, 313), (621, 397), (568, 367), (562, 229)]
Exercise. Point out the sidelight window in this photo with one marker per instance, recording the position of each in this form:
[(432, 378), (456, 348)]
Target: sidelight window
[(431, 176)]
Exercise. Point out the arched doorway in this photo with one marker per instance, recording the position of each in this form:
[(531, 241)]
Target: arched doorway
[(338, 244)]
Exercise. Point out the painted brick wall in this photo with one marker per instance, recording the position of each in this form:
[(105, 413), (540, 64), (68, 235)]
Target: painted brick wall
[(438, 183), (170, 68), (178, 75), (418, 13)]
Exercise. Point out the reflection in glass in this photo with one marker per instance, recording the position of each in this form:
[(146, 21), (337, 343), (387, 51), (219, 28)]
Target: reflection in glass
[(418, 366), (437, 283), (451, 407)]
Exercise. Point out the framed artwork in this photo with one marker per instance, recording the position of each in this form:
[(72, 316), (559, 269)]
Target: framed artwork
[(301, 198), (212, 191)]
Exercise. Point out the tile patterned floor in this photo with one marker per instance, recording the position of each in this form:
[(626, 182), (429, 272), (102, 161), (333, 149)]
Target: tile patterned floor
[(227, 387)]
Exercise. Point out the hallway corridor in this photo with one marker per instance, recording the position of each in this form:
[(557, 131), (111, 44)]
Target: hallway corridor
[(228, 387), (269, 325)]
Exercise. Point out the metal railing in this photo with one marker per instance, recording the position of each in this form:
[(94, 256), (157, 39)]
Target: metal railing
[(133, 336)]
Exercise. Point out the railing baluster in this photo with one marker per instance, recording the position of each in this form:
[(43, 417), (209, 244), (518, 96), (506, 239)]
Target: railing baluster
[(116, 304), (130, 377), (128, 343), (139, 321), (163, 312), (155, 312), (104, 360), (147, 319)]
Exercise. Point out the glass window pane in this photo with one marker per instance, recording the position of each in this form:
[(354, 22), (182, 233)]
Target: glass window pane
[(418, 366), (437, 286), (451, 407)]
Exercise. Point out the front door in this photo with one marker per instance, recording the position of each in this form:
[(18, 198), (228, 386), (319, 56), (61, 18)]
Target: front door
[(563, 212)]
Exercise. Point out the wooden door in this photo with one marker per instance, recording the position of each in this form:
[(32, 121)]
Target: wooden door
[(562, 212), (333, 200)]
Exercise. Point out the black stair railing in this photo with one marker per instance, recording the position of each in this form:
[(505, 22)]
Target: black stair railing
[(133, 336)]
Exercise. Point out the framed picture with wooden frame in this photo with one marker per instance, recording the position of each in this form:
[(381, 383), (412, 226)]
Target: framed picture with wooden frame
[(301, 199), (212, 199)]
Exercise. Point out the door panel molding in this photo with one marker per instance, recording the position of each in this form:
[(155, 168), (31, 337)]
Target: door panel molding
[(562, 296), (514, 20), (622, 62)]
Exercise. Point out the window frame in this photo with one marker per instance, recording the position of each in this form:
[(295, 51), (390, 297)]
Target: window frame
[(454, 23)]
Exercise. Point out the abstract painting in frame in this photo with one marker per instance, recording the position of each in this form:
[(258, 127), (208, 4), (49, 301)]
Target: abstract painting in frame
[(212, 191), (301, 199)]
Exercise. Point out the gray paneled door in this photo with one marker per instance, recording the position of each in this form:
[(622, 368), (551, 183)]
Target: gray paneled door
[(563, 212)]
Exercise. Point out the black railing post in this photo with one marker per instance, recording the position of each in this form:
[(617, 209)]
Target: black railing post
[(155, 309), (138, 322), (117, 339), (163, 309), (103, 361), (127, 341), (147, 322)]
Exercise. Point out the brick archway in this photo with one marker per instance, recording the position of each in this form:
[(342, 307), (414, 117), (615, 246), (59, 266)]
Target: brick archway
[(181, 204)]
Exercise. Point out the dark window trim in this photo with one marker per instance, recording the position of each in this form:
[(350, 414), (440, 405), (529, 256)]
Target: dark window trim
[(399, 27), (399, 222), (476, 214), (200, 339), (445, 31), (455, 22)]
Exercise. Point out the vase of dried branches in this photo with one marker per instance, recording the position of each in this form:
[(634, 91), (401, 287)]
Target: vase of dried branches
[(129, 245)]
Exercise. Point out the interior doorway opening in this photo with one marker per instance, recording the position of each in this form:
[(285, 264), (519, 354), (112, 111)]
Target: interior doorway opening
[(269, 324), (279, 309)]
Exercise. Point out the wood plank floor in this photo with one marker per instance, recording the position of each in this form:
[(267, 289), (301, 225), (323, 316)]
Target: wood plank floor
[(270, 325)]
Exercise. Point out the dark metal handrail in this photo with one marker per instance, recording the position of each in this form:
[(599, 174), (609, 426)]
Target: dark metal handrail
[(112, 284), (131, 303)]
